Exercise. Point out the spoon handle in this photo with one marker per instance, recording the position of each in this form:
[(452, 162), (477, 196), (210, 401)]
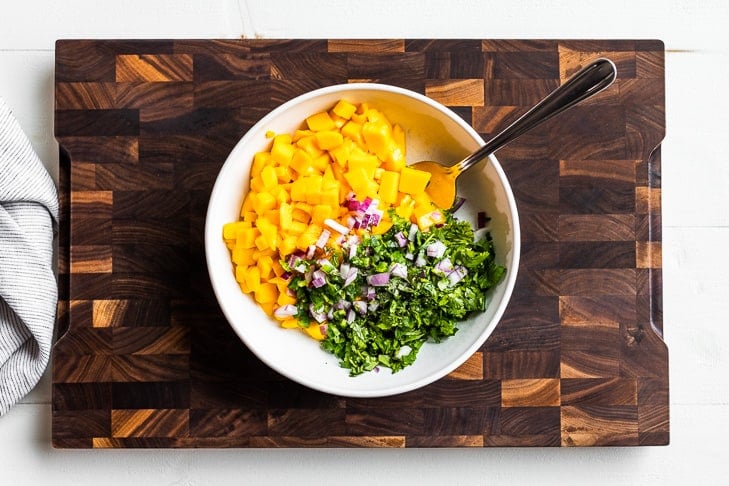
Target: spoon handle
[(590, 80)]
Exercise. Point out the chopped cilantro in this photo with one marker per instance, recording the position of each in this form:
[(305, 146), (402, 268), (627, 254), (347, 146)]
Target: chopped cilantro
[(400, 291)]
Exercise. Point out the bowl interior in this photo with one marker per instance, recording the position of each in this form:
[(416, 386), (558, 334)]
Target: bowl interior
[(433, 133)]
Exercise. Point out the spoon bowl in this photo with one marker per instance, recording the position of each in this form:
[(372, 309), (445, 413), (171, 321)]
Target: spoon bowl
[(587, 82)]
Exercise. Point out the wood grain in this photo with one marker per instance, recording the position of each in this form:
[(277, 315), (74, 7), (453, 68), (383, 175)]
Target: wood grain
[(144, 357)]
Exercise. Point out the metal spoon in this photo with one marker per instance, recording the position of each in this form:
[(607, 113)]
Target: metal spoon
[(590, 80)]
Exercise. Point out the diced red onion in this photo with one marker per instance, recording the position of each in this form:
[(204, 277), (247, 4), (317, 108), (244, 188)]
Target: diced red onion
[(352, 250), (286, 275), (351, 316), (373, 305), (435, 249), (284, 311), (413, 231), (310, 252), (319, 316), (366, 203), (420, 260), (457, 275), (378, 279), (399, 270), (376, 217), (336, 226), (318, 279), (444, 266), (344, 270), (369, 293), (402, 240), (323, 329), (360, 306), (343, 304), (483, 219), (409, 255), (323, 238), (351, 276), (294, 262)]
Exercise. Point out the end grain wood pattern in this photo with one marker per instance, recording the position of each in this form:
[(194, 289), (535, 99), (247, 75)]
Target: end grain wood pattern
[(145, 357)]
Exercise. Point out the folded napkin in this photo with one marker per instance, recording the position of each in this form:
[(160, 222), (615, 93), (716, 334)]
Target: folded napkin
[(28, 290)]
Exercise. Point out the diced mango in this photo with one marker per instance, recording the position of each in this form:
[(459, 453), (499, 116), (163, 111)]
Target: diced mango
[(389, 183), (344, 109), (242, 256), (303, 163), (361, 183), (310, 145), (315, 330), (282, 152), (285, 298), (329, 139), (352, 130), (230, 230), (269, 232), (320, 213), (265, 267), (359, 159), (266, 293), (413, 181), (320, 121), (246, 237), (253, 278), (264, 201), (269, 177), (290, 323), (260, 160)]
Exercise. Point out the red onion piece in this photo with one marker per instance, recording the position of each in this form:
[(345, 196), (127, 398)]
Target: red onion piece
[(287, 310), (399, 270), (319, 316), (379, 279), (444, 266), (351, 276), (413, 231), (457, 275), (339, 228), (360, 306), (318, 279), (436, 249), (323, 238), (310, 252), (483, 219), (402, 240)]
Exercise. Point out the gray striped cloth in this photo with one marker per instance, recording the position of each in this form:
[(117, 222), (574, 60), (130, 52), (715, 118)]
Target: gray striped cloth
[(28, 290)]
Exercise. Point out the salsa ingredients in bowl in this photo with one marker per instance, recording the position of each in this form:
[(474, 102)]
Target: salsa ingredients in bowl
[(429, 131), (339, 238)]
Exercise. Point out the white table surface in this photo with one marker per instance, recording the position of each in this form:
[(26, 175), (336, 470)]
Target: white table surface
[(695, 232)]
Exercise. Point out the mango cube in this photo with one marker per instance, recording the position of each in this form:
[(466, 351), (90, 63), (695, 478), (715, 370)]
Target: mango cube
[(320, 121), (413, 181)]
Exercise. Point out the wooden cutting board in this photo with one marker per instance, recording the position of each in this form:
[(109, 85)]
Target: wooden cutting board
[(145, 357)]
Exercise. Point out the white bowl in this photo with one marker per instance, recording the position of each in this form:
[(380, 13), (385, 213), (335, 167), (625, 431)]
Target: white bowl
[(433, 133)]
